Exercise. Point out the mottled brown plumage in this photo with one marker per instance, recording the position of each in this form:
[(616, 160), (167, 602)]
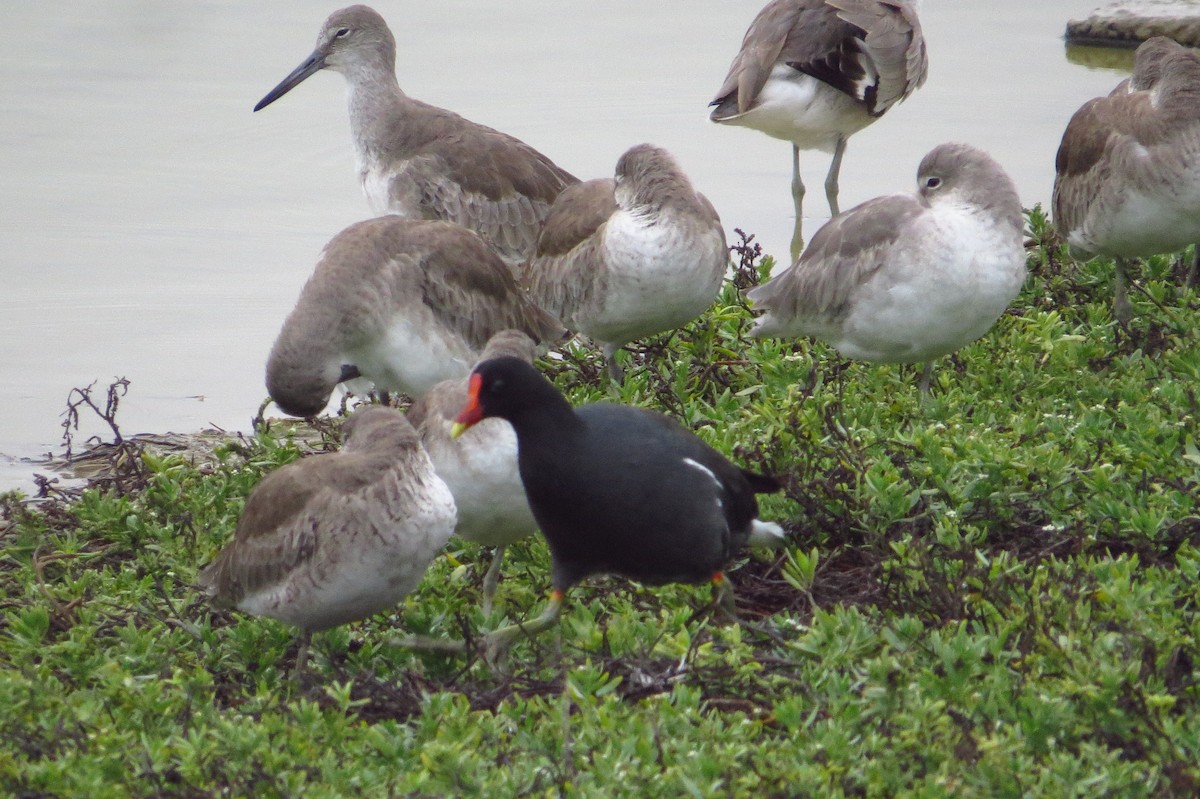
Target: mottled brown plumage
[(406, 303)]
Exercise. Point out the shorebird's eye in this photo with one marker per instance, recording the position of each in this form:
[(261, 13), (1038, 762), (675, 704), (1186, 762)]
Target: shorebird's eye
[(342, 33), (932, 183)]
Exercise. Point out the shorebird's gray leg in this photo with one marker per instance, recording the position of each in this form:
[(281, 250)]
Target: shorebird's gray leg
[(798, 201), (301, 656), (491, 578), (1122, 310), (423, 643), (831, 179), (926, 376), (610, 359)]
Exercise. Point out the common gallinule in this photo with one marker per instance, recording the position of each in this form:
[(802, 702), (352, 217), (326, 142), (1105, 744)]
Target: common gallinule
[(908, 277), (616, 489), (425, 162), (625, 258), (405, 303), (337, 537), (480, 466), (814, 72)]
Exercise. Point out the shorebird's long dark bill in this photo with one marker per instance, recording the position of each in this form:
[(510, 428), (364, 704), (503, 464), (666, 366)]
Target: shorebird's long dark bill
[(314, 63)]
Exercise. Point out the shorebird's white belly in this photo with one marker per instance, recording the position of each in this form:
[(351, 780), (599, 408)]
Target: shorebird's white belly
[(799, 108), (376, 185), (951, 276), (658, 276), (413, 354), (386, 188), (481, 470), (1144, 223)]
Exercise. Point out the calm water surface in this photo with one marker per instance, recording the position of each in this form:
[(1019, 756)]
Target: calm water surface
[(152, 227)]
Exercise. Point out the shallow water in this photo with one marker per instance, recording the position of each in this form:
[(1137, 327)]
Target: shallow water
[(154, 228)]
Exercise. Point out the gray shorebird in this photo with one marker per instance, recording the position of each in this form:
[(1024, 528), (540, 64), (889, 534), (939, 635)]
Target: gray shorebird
[(338, 537), (480, 467), (627, 257), (1127, 173), (907, 278), (425, 162), (814, 72), (405, 304)]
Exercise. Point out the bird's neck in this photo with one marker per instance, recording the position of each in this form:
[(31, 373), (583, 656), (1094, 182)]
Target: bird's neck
[(547, 416), (377, 107), (662, 194)]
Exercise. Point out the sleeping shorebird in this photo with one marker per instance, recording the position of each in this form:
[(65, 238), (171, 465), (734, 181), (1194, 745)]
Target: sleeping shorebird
[(424, 162), (623, 258), (1127, 173), (908, 277), (338, 537), (480, 467), (814, 72), (405, 304)]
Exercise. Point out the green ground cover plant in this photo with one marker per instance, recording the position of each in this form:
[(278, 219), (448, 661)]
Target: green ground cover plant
[(989, 593)]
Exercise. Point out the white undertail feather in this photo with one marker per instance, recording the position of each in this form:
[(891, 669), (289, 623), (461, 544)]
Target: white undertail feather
[(766, 535)]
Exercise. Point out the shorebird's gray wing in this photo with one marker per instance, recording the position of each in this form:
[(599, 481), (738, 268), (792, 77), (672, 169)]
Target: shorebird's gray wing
[(843, 255), (564, 268), (763, 47), (893, 46), (280, 528), (709, 210), (873, 50), (1080, 168), (1121, 145), (471, 290), (485, 181), (1116, 143), (578, 214)]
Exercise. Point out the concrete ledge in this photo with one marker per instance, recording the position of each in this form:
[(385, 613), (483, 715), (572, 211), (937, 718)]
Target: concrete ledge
[(1128, 23)]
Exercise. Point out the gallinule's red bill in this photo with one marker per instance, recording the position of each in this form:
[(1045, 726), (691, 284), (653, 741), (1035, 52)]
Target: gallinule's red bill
[(335, 538), (617, 490)]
